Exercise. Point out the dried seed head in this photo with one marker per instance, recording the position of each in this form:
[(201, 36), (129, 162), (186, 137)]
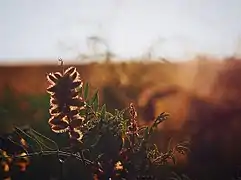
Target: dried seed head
[(76, 134), (76, 122), (133, 127), (69, 71), (61, 127), (132, 111), (58, 119), (65, 101)]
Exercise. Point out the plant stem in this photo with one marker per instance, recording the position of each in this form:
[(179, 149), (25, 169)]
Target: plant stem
[(46, 153)]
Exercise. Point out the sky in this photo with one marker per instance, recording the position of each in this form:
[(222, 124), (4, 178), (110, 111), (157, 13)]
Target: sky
[(178, 29)]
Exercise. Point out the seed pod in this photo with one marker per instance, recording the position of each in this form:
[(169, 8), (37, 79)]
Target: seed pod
[(65, 102)]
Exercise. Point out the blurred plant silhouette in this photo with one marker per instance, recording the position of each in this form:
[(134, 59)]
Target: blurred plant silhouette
[(97, 144)]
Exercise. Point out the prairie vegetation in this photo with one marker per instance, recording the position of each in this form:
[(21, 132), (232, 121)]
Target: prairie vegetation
[(201, 96)]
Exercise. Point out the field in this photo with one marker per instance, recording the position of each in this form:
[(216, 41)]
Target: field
[(203, 98)]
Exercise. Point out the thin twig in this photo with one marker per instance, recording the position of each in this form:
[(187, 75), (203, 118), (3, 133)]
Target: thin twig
[(46, 153), (41, 149), (56, 145)]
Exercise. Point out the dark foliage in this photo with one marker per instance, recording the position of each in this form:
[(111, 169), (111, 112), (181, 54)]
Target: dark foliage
[(96, 144)]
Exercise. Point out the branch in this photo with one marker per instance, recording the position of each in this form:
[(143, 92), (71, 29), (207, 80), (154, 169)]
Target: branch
[(47, 153)]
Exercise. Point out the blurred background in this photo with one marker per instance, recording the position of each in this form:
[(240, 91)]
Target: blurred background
[(182, 57)]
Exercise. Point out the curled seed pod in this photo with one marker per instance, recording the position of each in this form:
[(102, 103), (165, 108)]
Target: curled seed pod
[(69, 71), (73, 108), (74, 76), (61, 127), (76, 84), (74, 94), (74, 112), (54, 110), (54, 120), (53, 101), (75, 102), (51, 89), (52, 78), (76, 135), (61, 116), (58, 75), (76, 122)]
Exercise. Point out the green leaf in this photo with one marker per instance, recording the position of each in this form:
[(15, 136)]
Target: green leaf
[(121, 113), (124, 124), (146, 133), (109, 115), (82, 112), (86, 91), (151, 130), (95, 106), (103, 111), (94, 98), (95, 101)]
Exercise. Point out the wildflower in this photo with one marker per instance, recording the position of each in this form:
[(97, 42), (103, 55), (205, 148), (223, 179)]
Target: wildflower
[(65, 102), (133, 127)]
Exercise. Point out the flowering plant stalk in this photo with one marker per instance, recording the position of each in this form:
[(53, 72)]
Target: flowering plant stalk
[(106, 145)]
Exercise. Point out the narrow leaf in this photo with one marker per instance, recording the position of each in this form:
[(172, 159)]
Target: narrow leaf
[(96, 106), (94, 98), (95, 101), (103, 111), (173, 160)]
